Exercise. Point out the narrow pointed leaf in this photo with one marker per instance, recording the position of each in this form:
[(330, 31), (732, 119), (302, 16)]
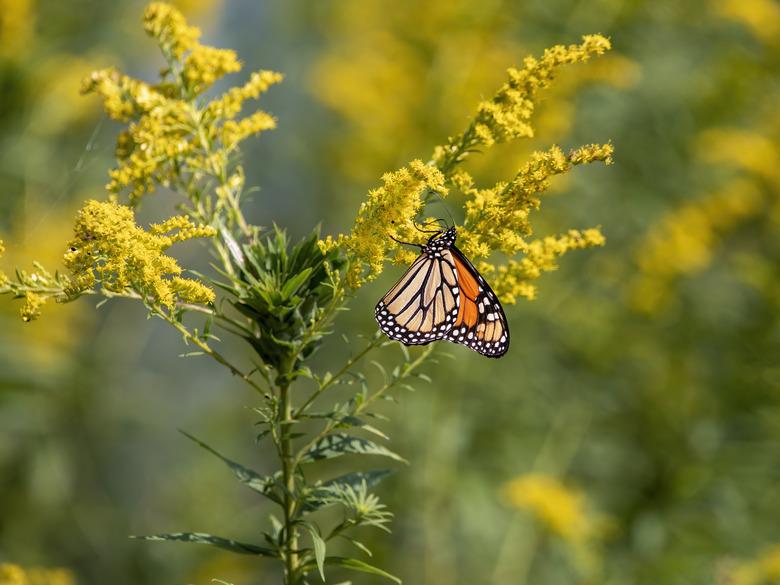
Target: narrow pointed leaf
[(319, 547), (356, 565), (217, 541), (248, 477), (318, 498), (292, 285), (340, 444)]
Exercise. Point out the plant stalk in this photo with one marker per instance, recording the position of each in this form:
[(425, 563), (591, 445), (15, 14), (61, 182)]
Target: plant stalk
[(290, 544)]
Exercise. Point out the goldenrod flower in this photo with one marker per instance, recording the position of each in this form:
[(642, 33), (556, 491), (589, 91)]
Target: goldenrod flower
[(560, 509), (507, 115), (229, 105), (172, 137), (205, 65), (498, 218), (168, 25), (514, 279), (31, 309), (234, 132), (389, 211), (110, 250)]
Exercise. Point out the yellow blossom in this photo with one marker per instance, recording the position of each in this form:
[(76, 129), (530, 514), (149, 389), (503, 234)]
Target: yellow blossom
[(234, 132), (514, 279), (388, 213), (16, 575), (31, 309), (561, 510), (507, 115), (206, 65), (497, 219), (109, 249), (172, 138), (124, 98), (229, 105), (168, 25)]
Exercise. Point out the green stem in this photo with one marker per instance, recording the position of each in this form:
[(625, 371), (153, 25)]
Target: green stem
[(290, 544), (377, 341), (406, 372), (205, 347)]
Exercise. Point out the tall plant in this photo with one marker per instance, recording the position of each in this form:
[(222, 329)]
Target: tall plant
[(282, 297)]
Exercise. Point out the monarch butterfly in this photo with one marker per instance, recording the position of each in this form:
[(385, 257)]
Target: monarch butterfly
[(442, 296)]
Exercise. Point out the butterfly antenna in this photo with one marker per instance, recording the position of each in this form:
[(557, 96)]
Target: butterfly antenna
[(427, 223), (406, 243), (446, 207)]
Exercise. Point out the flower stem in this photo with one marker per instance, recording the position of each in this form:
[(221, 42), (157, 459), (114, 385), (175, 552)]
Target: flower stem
[(290, 544)]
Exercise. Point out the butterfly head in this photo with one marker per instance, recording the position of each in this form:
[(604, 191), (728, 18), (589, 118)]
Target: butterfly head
[(441, 240)]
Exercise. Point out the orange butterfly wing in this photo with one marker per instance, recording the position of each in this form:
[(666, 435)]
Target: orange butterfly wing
[(481, 324)]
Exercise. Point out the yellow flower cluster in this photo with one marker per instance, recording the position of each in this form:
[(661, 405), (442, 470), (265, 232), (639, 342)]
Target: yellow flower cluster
[(33, 302), (762, 570), (515, 278), (16, 575), (229, 105), (170, 133), (558, 508), (205, 65), (685, 240), (507, 115), (498, 218), (388, 213), (166, 24), (109, 249)]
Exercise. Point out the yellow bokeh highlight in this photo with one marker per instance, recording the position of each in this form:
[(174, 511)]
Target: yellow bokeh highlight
[(16, 575)]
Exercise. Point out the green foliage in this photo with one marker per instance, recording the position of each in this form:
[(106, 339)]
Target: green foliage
[(288, 293)]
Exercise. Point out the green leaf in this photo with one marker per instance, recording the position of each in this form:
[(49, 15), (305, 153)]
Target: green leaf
[(340, 444), (319, 547), (358, 544), (248, 477), (370, 478), (353, 421), (356, 565), (217, 541), (292, 285), (318, 496)]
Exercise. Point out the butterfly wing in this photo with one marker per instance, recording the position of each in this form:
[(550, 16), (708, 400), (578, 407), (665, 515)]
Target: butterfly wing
[(481, 323), (423, 305)]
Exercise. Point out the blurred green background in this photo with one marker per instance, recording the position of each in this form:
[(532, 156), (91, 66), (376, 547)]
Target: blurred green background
[(646, 375)]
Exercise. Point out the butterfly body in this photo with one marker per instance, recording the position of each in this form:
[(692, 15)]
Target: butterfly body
[(442, 296)]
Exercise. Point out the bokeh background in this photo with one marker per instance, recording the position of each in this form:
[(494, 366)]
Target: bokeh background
[(645, 378)]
